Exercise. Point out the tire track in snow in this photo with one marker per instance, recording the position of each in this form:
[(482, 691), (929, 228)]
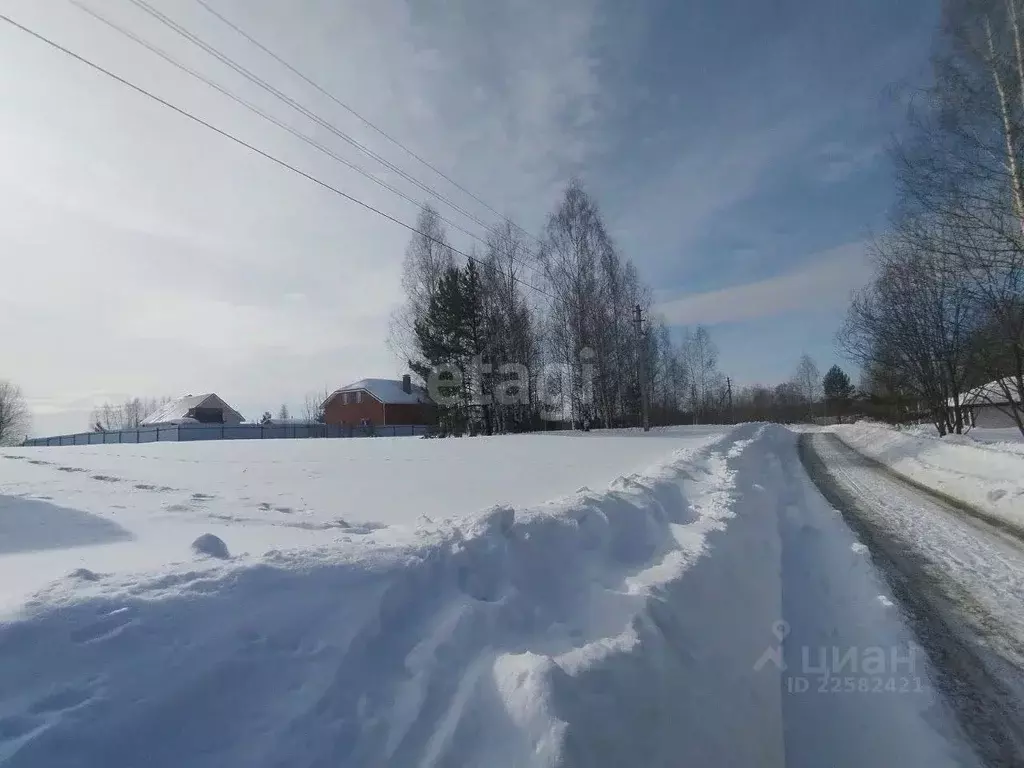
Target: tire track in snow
[(928, 553)]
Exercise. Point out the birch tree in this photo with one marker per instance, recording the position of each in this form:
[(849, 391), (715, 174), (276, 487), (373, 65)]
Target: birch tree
[(574, 244), (918, 318), (427, 257), (701, 356), (513, 344), (808, 381), (14, 415), (961, 175)]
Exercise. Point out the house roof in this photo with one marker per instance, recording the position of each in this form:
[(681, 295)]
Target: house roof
[(387, 391), (177, 410), (990, 394)]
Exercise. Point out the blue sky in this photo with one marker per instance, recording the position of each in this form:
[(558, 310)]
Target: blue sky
[(737, 150), (763, 128)]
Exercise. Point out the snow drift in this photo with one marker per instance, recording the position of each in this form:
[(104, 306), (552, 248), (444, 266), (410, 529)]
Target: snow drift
[(988, 477)]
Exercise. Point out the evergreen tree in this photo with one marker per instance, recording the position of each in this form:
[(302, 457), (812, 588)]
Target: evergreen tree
[(838, 390), (442, 340)]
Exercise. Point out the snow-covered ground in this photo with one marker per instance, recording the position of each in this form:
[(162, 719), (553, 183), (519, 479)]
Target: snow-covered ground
[(139, 507), (1004, 438), (378, 609), (986, 476), (962, 579)]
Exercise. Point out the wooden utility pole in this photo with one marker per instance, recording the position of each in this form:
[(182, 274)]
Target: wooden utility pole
[(638, 318)]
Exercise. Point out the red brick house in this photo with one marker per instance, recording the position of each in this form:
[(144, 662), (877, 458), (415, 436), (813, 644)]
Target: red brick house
[(380, 402)]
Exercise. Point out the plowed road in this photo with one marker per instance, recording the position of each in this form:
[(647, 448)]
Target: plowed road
[(959, 578)]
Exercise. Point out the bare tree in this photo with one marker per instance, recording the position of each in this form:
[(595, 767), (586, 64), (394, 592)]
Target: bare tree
[(427, 257), (128, 414), (313, 405), (917, 320), (961, 177), (512, 345), (701, 356), (14, 415), (282, 412), (574, 243), (577, 354), (807, 380)]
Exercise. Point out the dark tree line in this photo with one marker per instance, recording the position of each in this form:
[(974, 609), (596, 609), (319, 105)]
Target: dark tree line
[(945, 312), (806, 397), (499, 356), (535, 331)]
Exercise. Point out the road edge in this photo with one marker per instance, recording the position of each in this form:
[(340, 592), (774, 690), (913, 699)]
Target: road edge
[(972, 687), (1004, 526)]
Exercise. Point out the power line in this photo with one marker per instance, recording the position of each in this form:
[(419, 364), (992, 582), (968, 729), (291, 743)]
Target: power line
[(185, 113), (257, 80), (358, 116), (266, 116)]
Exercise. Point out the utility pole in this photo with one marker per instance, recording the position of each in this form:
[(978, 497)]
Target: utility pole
[(638, 318), (728, 384)]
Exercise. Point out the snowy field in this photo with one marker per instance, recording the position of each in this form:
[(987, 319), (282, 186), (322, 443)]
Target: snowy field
[(984, 469), (626, 604), (139, 507), (1007, 439)]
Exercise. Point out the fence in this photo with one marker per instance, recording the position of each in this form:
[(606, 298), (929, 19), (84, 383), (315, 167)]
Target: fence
[(187, 432)]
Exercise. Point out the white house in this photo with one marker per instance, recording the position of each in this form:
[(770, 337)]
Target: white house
[(988, 407), (195, 409)]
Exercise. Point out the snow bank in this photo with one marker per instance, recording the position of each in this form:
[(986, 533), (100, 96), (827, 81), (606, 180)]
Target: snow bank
[(122, 508), (622, 627), (1007, 439), (513, 637), (987, 477)]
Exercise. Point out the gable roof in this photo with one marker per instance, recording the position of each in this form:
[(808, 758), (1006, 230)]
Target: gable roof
[(177, 410), (989, 394), (387, 391)]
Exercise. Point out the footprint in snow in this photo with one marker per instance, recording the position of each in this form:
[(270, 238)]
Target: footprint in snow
[(151, 487), (109, 626), (62, 699), (17, 726), (41, 713)]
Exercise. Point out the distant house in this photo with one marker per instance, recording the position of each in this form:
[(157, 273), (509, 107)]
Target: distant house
[(988, 407), (380, 402), (195, 409)]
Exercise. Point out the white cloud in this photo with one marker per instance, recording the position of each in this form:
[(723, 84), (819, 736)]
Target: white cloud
[(837, 162), (824, 281), (149, 256)]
